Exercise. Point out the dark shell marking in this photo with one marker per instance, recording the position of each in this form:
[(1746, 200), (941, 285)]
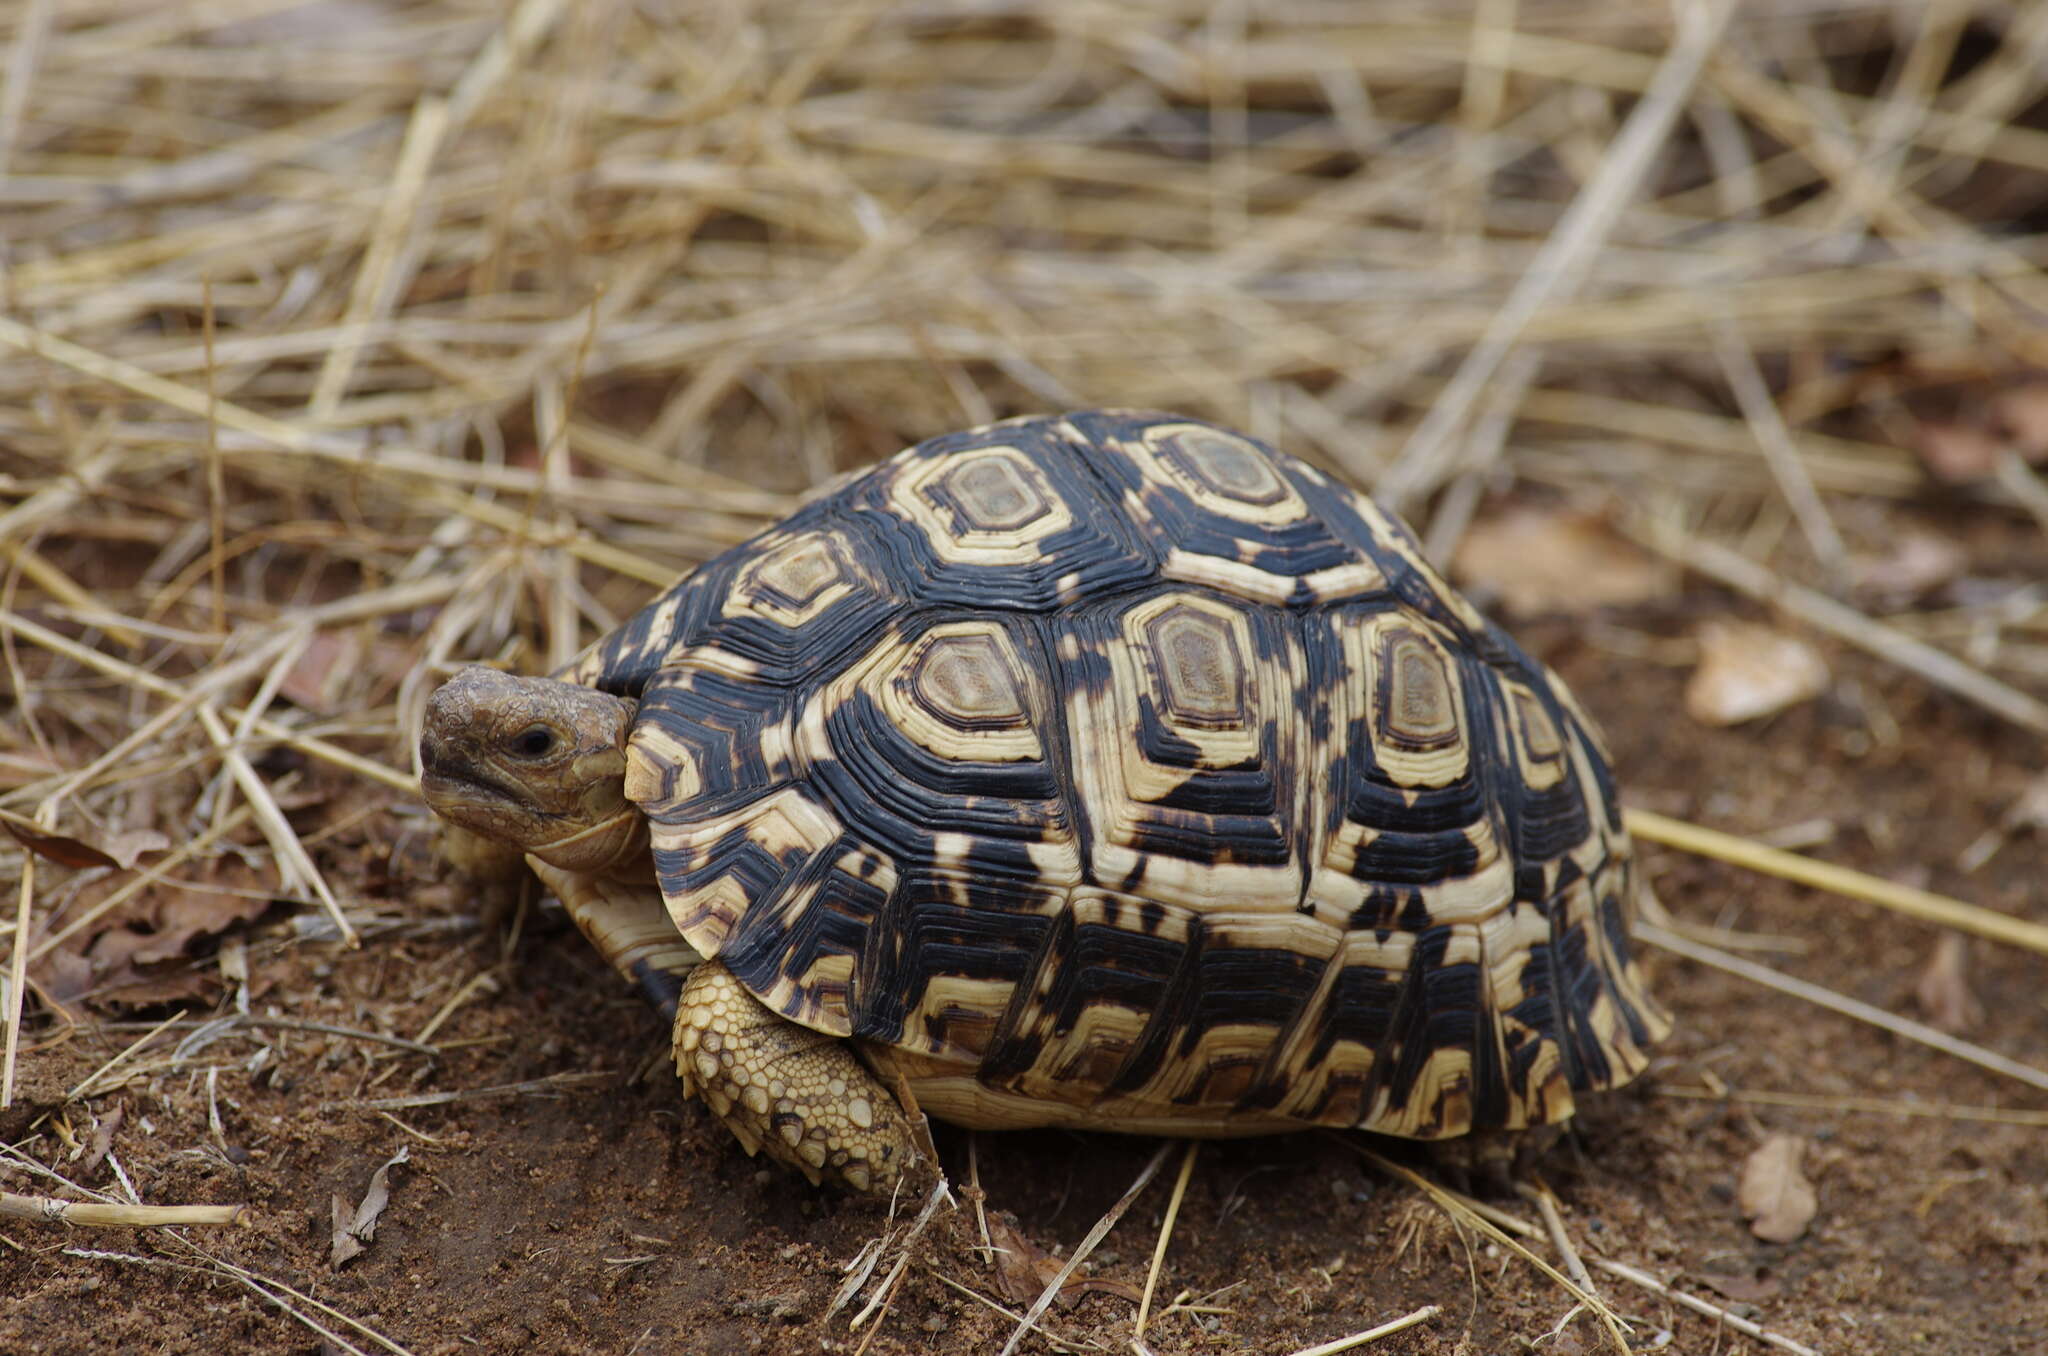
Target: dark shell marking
[(1119, 761)]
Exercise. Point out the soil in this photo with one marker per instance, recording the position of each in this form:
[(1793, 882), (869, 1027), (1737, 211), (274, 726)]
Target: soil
[(609, 1215)]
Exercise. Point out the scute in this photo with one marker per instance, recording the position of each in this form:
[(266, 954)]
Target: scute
[(1119, 769)]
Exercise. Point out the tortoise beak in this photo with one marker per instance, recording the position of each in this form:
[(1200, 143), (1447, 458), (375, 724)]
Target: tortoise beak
[(449, 779)]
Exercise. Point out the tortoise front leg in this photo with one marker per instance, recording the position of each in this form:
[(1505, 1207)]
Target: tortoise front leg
[(800, 1094)]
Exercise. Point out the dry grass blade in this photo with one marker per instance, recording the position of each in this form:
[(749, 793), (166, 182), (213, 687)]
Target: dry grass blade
[(135, 677), (1734, 1321), (1054, 1340), (1873, 1106), (1571, 247), (532, 1087), (382, 274), (1553, 1224), (1180, 1188), (1521, 1228), (1373, 1334), (1910, 900), (1738, 363), (1086, 1246), (1463, 1209), (86, 1084), (300, 872), (17, 978), (272, 1292), (1906, 1027), (123, 1216)]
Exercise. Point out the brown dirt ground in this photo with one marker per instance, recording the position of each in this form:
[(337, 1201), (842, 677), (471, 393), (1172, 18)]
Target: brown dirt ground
[(614, 1217)]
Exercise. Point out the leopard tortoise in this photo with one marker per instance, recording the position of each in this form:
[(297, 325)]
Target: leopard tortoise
[(1110, 770)]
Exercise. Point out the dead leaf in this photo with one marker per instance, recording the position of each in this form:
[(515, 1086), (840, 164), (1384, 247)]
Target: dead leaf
[(1742, 1289), (1773, 1195), (1956, 454), (62, 977), (1748, 671), (174, 918), (103, 1139), (317, 679), (1917, 564), (139, 954), (1551, 560), (354, 1232), (119, 849), (2022, 413), (1024, 1270), (2030, 811), (60, 848), (127, 846), (1944, 991)]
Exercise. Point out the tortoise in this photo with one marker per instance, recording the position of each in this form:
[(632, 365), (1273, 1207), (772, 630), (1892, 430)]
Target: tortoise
[(1111, 770)]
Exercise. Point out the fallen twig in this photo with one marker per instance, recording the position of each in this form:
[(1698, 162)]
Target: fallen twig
[(126, 1216), (1849, 1007), (1924, 905)]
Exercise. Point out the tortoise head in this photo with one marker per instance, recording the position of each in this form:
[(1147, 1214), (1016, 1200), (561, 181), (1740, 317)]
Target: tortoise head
[(533, 763)]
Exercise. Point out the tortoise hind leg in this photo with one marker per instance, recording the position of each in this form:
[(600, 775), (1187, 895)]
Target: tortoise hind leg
[(800, 1095), (1493, 1163)]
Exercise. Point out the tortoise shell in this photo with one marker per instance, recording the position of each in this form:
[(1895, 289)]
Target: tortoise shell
[(1117, 762)]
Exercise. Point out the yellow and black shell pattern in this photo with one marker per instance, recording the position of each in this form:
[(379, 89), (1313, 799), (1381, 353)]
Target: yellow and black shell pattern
[(1120, 762)]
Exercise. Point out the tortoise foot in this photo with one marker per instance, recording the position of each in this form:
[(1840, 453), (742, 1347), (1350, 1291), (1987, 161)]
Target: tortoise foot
[(798, 1095), (1493, 1163)]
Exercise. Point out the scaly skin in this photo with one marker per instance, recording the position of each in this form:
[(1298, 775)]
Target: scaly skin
[(801, 1096)]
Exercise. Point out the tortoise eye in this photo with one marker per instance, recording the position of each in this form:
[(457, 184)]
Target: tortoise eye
[(534, 742)]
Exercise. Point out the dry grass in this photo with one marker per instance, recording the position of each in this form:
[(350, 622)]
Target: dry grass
[(350, 340)]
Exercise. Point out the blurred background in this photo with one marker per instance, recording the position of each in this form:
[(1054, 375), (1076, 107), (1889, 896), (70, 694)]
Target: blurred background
[(345, 341)]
